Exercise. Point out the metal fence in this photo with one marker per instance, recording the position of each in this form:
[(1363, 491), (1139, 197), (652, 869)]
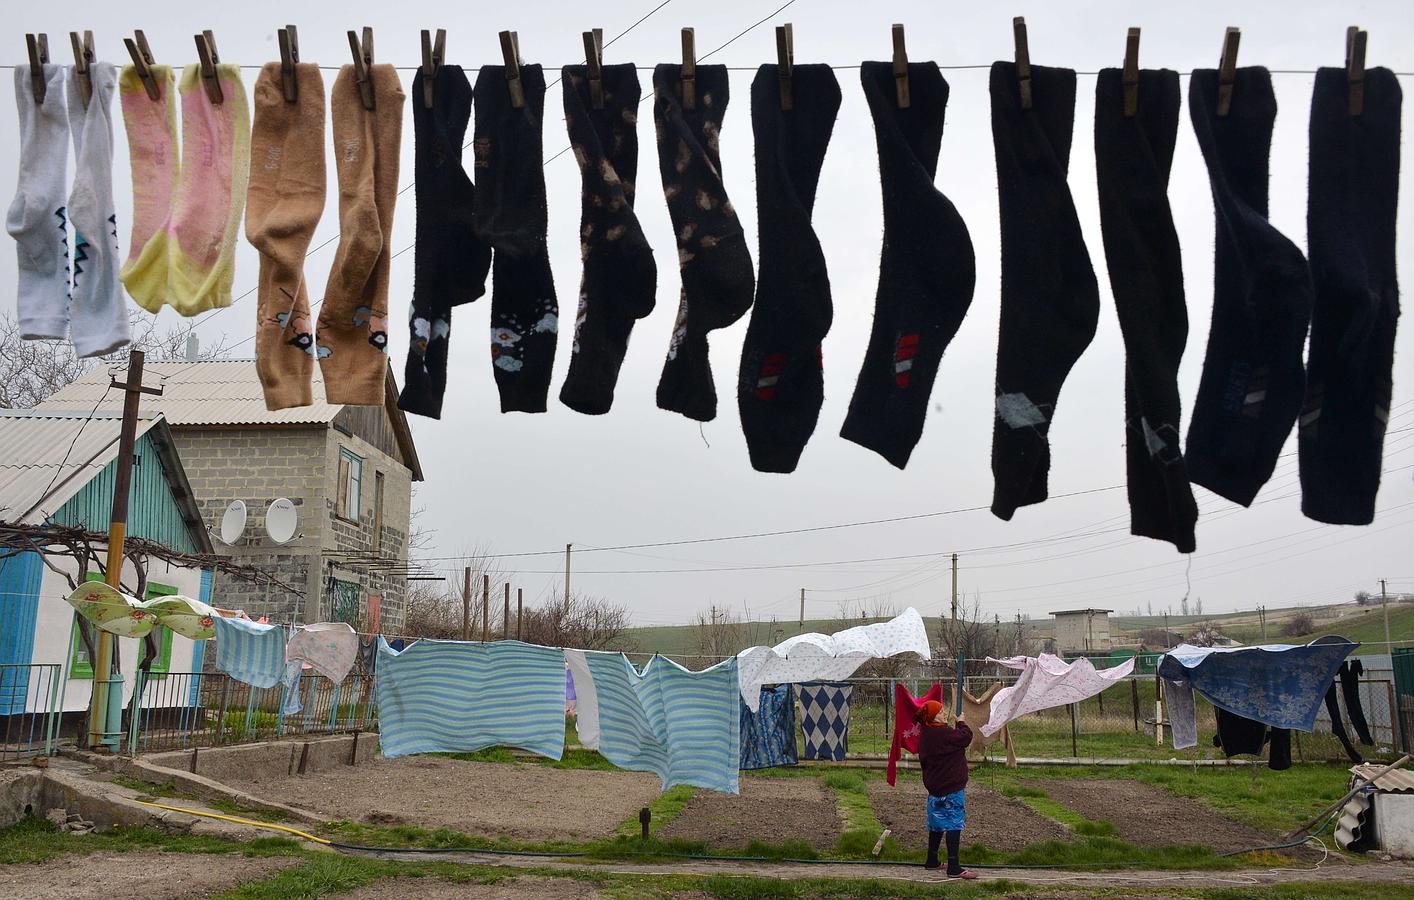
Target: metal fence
[(31, 698)]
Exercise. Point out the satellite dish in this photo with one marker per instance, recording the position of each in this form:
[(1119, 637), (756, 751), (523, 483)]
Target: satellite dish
[(233, 522), (281, 520)]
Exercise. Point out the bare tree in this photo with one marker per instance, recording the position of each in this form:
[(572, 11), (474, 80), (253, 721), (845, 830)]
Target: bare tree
[(719, 634), (586, 622), (434, 609), (1299, 624), (32, 370)]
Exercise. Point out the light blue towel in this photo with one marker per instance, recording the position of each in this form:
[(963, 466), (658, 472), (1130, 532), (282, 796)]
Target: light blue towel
[(461, 696), (682, 726), (250, 652)]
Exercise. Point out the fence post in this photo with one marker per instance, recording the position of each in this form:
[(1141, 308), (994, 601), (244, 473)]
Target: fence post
[(1134, 693), (1074, 734)]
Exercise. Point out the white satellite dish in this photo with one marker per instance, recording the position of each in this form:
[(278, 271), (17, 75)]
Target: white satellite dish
[(233, 522), (281, 520)]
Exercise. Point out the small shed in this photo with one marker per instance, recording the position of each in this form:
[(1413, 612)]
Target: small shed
[(1381, 815), (1082, 630)]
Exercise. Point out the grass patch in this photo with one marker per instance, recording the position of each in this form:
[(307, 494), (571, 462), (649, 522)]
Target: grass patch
[(322, 875), (222, 805), (861, 826), (1101, 852), (490, 754), (146, 788), (579, 758), (35, 840)]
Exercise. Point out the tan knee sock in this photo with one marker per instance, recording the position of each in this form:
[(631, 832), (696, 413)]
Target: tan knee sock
[(353, 322), (286, 199)]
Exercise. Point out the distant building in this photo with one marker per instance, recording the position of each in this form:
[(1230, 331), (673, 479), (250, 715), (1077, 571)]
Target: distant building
[(1082, 630), (348, 470)]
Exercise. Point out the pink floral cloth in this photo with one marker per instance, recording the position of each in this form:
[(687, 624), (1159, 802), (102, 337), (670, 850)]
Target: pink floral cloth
[(329, 648), (1048, 681)]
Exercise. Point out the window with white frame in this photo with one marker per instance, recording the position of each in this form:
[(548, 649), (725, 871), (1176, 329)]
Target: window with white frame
[(350, 484)]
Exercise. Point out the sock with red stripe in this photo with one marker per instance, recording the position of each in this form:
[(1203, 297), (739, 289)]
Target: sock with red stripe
[(926, 271), (781, 382)]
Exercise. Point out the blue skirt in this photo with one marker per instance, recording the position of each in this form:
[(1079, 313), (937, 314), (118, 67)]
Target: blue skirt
[(946, 813)]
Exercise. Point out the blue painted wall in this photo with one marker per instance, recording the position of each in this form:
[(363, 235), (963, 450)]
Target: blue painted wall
[(19, 604)]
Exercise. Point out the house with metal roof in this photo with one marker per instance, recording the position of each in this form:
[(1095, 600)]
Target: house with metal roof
[(346, 471), (59, 468)]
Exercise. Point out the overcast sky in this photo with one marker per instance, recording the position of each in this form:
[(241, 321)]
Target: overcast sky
[(521, 483)]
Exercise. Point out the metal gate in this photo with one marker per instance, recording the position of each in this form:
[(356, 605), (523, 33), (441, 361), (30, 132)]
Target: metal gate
[(1403, 660)]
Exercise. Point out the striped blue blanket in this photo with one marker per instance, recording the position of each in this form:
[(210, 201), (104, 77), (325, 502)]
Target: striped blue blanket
[(461, 696), (249, 651)]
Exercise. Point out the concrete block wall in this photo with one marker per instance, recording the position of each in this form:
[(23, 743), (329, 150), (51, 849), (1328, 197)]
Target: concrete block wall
[(347, 536)]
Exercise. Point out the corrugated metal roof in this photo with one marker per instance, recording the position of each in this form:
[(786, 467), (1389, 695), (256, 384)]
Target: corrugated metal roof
[(1395, 780), (39, 471), (210, 392)]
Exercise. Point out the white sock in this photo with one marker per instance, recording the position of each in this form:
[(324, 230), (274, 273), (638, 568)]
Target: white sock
[(98, 313), (37, 218)]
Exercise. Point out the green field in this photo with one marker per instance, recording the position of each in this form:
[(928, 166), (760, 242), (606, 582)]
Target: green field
[(1367, 627)]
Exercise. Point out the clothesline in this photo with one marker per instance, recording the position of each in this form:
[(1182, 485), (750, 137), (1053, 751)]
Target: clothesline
[(960, 67)]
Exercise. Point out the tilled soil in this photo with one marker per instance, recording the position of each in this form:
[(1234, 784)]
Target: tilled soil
[(771, 810), (524, 801), (150, 875), (525, 887), (1150, 816), (995, 821)]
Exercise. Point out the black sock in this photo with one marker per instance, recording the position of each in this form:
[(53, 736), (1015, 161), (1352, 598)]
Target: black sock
[(717, 280), (1253, 379), (511, 217), (1350, 673), (954, 846), (935, 840), (926, 271), (1050, 301), (620, 277), (1133, 156), (1354, 188), (451, 262), (781, 382), (1338, 725)]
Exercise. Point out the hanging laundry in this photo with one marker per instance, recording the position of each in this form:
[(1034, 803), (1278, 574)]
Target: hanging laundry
[(511, 215), (351, 340), (717, 280), (292, 703), (368, 653), (906, 729), (186, 210), (620, 277), (570, 696), (1350, 673), (1050, 299), (284, 204), (110, 609), (1338, 725), (1279, 684), (329, 647), (979, 709), (1252, 383), (1133, 158), (781, 381), (190, 618), (927, 269), (458, 696), (59, 296), (1047, 681), (250, 651), (1279, 749), (824, 719), (768, 734), (682, 726), (1350, 234), (450, 262), (1183, 724), (820, 657), (1237, 735)]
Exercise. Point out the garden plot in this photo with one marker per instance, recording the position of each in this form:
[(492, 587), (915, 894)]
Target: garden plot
[(770, 810), (994, 821), (521, 801), (152, 875), (1150, 816)]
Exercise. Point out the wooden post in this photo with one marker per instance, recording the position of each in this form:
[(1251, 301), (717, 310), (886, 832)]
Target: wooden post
[(466, 605), (506, 614), (1074, 733), (520, 608), (1134, 693), (485, 608)]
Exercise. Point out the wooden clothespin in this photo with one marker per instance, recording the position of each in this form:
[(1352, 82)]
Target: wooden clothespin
[(785, 63), (433, 52), (594, 65), (1355, 39), (38, 47), (1131, 72), (901, 69), (510, 55), (687, 79), (289, 57), (207, 55), (1227, 69), (363, 64), (83, 60), (1023, 60), (143, 63)]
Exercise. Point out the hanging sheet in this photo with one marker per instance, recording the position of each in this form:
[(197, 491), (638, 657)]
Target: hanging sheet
[(768, 734), (829, 657), (906, 730), (330, 648), (464, 696), (1047, 681), (250, 651), (682, 726), (824, 719)]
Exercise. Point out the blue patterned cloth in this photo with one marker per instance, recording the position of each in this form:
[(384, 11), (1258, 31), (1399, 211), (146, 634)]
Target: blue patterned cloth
[(250, 652), (824, 719), (1279, 684), (682, 726), (463, 696), (947, 813), (768, 735)]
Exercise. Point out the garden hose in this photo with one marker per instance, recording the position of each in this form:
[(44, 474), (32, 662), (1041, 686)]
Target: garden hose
[(239, 821)]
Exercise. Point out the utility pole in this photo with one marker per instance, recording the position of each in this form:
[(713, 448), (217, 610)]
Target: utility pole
[(802, 610), (117, 534), (953, 635), (520, 608), (485, 608), (1384, 601), (567, 575), (1262, 617), (466, 604), (506, 614)]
